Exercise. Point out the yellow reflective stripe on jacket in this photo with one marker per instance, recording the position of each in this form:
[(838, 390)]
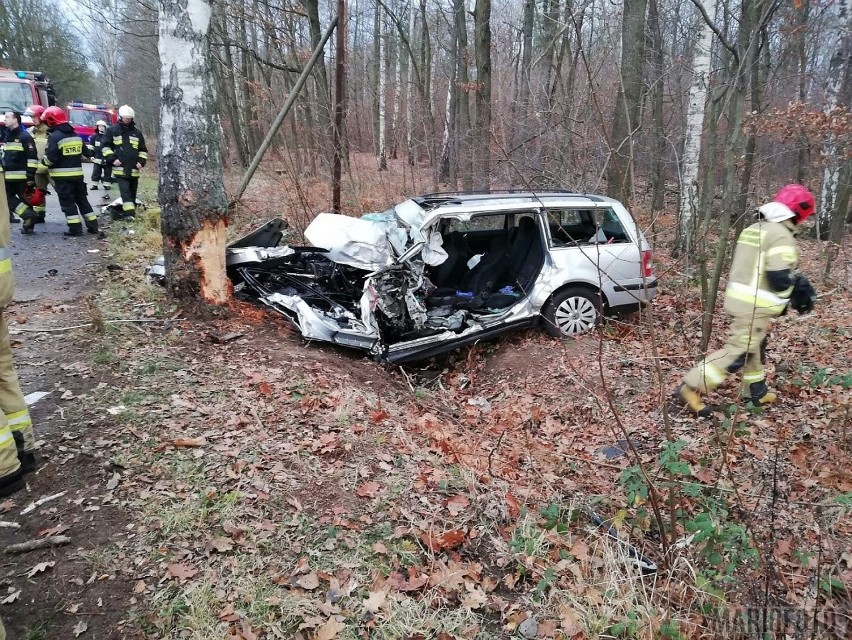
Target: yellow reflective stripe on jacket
[(16, 175), (5, 260), (759, 298), (751, 237), (754, 377), (107, 152), (13, 146), (5, 436), (18, 419), (70, 140), (143, 155), (786, 252), (32, 162), (117, 140), (72, 219), (71, 172)]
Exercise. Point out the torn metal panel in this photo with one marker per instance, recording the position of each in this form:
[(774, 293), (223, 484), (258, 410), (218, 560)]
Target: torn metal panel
[(315, 324), (364, 244)]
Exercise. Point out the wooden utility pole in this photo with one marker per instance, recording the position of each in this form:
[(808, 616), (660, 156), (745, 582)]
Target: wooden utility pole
[(339, 106)]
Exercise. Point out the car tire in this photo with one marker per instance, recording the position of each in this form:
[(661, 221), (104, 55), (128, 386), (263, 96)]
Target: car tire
[(572, 312)]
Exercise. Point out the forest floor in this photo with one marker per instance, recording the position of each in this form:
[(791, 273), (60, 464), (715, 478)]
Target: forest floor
[(268, 488)]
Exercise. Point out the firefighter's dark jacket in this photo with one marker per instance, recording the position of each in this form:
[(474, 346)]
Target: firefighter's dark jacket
[(20, 157), (124, 142), (96, 144), (64, 153)]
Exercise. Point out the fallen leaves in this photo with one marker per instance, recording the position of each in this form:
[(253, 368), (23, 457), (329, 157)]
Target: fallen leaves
[(375, 601), (456, 504), (447, 540), (309, 581), (219, 545), (41, 567), (329, 630), (182, 571), (80, 628), (368, 489)]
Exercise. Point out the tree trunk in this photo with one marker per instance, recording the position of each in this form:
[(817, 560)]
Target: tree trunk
[(658, 136), (323, 110), (692, 139), (381, 155), (191, 191), (838, 74), (463, 132), (409, 81), (803, 12), (482, 30), (625, 120)]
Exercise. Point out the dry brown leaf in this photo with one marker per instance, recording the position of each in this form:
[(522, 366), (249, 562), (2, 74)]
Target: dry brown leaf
[(139, 587), (368, 489), (378, 416), (457, 504), (375, 601), (182, 571), (220, 545), (40, 568), (308, 581), (113, 481), (185, 443), (446, 540), (380, 548), (329, 630)]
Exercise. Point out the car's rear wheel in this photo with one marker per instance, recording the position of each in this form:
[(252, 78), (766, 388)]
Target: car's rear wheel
[(572, 311)]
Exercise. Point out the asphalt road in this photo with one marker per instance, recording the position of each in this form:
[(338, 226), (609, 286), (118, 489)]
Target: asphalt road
[(49, 265)]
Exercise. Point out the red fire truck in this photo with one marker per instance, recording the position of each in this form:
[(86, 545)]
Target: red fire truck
[(20, 89), (84, 117)]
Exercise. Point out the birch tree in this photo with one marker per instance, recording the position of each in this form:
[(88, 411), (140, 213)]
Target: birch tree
[(381, 152), (191, 191), (838, 72), (694, 127)]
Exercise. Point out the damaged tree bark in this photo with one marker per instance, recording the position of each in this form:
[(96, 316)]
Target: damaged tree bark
[(191, 190)]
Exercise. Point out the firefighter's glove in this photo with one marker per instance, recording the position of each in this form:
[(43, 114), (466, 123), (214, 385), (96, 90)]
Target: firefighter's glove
[(804, 295)]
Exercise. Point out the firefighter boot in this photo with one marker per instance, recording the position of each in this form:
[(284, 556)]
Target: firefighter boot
[(759, 395), (94, 187), (91, 220), (692, 400), (30, 219)]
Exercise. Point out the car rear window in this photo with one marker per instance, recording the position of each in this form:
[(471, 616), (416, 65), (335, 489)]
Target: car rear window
[(87, 118), (571, 227)]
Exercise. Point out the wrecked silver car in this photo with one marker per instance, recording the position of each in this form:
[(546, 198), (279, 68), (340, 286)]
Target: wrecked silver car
[(441, 271)]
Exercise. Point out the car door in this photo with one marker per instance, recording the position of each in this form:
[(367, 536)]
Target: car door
[(591, 245)]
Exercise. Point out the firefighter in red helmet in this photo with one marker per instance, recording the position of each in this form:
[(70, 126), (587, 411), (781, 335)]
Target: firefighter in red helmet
[(64, 161), (20, 161), (763, 281), (39, 133)]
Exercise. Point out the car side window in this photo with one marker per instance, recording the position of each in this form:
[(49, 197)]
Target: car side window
[(610, 227), (571, 227), (488, 222)]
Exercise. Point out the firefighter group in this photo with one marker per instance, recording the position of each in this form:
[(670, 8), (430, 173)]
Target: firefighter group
[(51, 154)]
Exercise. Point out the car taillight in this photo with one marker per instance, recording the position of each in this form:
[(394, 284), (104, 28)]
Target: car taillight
[(647, 268)]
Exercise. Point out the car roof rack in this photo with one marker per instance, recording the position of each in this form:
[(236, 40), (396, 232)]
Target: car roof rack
[(498, 192), (432, 200)]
